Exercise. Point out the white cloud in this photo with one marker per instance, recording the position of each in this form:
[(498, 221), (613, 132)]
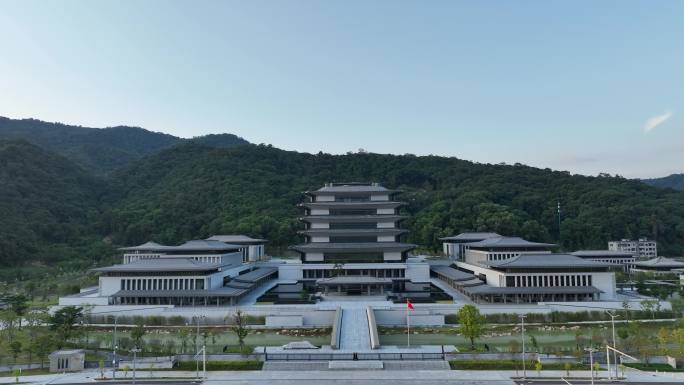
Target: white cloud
[(656, 121)]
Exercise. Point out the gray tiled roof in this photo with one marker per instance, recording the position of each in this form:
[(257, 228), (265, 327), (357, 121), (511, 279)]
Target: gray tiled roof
[(256, 274), (366, 205), (333, 232), (602, 254), (222, 292), (451, 273), (236, 239), (508, 242), (486, 289), (194, 245), (660, 262), (351, 187), (362, 246), (545, 260), (161, 264), (470, 236), (340, 218)]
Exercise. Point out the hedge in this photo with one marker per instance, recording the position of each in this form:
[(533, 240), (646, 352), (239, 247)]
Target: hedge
[(511, 365), (652, 367), (221, 365), (561, 317)]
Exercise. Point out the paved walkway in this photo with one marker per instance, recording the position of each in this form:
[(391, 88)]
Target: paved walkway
[(360, 377), (355, 334)]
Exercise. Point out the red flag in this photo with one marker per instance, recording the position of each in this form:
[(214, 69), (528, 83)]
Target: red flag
[(409, 305)]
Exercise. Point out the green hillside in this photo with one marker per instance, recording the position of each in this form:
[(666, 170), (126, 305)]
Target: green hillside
[(674, 181), (100, 150), (50, 210), (55, 214), (193, 191)]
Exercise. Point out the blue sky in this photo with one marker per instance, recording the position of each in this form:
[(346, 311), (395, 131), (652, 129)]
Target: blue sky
[(583, 86)]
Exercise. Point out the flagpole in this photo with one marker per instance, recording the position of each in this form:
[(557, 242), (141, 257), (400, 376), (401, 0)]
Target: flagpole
[(408, 326)]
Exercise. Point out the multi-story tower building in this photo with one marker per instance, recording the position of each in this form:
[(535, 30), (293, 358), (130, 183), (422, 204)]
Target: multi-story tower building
[(641, 247), (354, 242), (352, 223)]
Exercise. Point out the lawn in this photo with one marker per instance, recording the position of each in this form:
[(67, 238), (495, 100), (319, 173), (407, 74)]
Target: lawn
[(507, 338)]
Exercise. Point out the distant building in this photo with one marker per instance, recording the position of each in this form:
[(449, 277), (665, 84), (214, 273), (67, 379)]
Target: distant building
[(659, 265), (196, 273), (609, 256), (454, 246), (641, 248), (67, 360), (252, 249), (514, 270)]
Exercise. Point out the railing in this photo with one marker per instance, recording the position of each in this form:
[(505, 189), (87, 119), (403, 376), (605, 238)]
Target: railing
[(353, 356)]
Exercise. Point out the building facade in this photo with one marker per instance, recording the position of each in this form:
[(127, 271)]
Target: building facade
[(353, 242), (514, 270), (454, 246), (641, 247), (624, 259)]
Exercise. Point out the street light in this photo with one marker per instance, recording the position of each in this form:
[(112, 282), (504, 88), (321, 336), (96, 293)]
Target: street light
[(135, 350), (613, 315), (591, 362), (522, 327), (116, 346), (197, 350)]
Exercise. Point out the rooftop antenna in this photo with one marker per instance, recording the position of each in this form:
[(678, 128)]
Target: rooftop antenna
[(559, 223)]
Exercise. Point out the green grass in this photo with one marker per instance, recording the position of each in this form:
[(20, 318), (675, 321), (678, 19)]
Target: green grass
[(509, 365), (26, 372), (222, 365)]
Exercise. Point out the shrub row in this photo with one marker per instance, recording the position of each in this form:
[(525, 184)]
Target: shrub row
[(652, 367), (155, 320), (512, 365), (221, 365), (560, 317)]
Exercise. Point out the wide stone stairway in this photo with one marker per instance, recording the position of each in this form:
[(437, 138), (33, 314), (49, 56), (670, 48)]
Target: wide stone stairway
[(354, 333)]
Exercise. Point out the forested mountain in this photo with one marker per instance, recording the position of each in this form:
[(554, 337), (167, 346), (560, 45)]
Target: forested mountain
[(674, 181), (56, 213), (192, 191), (100, 150), (50, 208)]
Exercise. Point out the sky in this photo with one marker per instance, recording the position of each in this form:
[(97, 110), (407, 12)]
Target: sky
[(583, 86)]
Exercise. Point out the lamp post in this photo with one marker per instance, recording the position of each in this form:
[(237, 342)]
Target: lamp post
[(116, 346), (591, 362), (522, 327), (613, 315), (135, 350), (197, 336)]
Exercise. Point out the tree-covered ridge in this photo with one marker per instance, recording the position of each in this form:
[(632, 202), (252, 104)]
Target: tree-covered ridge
[(50, 208), (193, 191), (101, 150), (674, 181)]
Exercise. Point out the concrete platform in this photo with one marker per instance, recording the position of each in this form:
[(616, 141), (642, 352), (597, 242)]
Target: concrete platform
[(355, 365)]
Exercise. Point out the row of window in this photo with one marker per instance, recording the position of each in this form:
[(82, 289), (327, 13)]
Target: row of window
[(501, 256), (378, 273), (548, 280), (163, 284)]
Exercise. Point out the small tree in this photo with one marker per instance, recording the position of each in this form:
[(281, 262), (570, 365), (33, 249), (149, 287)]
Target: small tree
[(137, 335), (240, 328), (664, 338), (64, 322), (471, 323), (596, 368), (678, 337), (538, 368), (567, 367), (15, 347)]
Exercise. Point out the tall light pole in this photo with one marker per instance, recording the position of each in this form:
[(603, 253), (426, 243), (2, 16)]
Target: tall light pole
[(613, 315), (135, 350), (591, 363), (116, 346), (197, 336), (522, 327)]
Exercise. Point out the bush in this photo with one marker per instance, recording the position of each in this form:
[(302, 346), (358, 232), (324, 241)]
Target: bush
[(451, 319), (511, 365), (222, 365)]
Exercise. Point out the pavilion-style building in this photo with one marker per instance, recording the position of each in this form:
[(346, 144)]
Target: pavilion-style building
[(514, 270), (353, 240)]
